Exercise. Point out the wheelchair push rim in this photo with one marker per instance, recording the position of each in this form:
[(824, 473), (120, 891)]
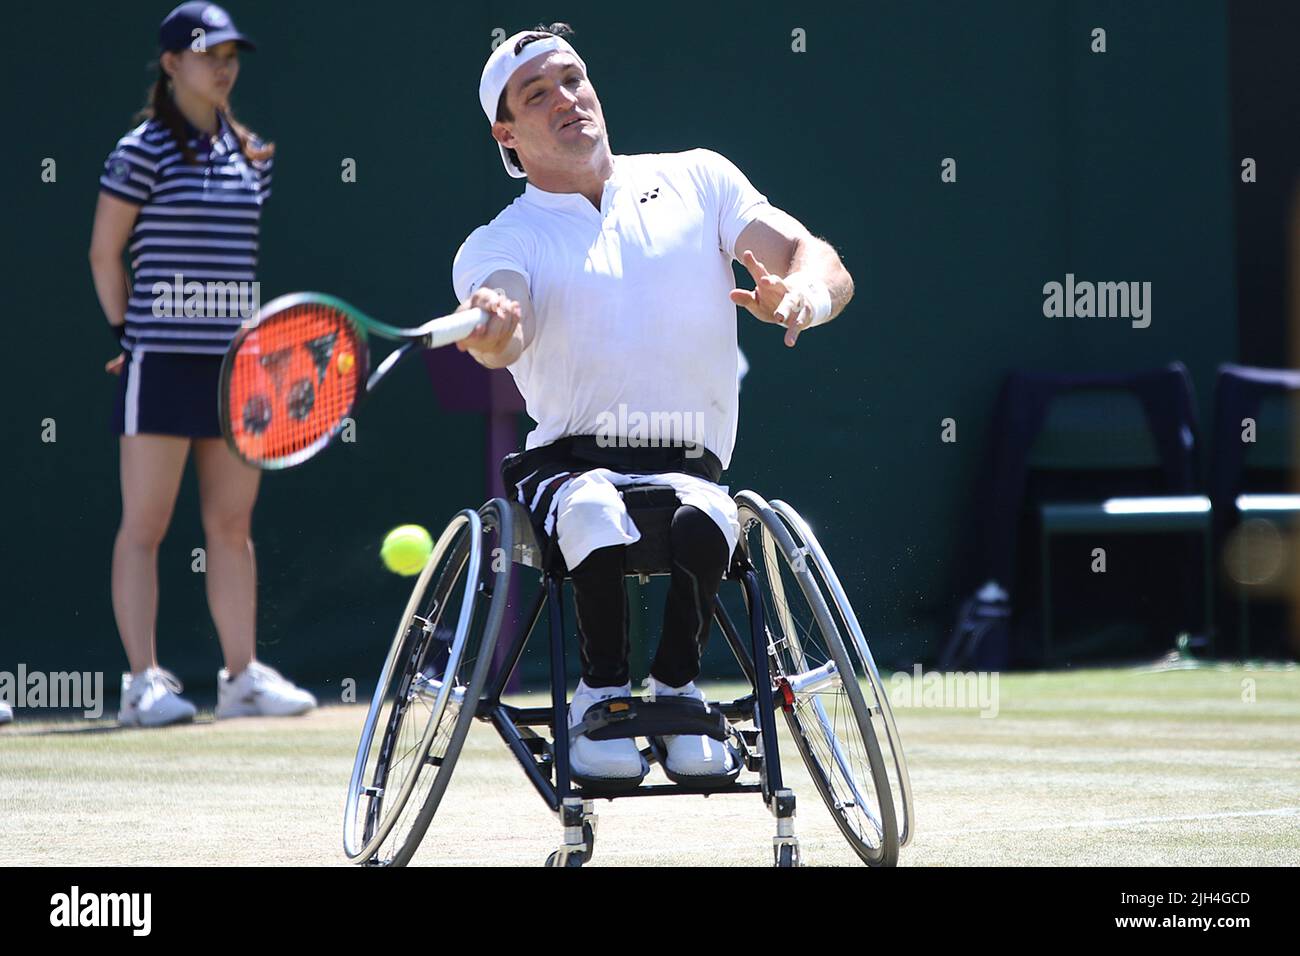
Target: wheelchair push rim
[(477, 656), (378, 797), (838, 745), (362, 834)]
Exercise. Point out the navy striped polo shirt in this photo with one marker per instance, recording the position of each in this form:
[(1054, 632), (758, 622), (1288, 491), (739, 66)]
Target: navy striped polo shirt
[(198, 222)]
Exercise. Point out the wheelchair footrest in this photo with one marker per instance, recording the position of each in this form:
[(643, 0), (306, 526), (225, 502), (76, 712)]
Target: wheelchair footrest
[(620, 717)]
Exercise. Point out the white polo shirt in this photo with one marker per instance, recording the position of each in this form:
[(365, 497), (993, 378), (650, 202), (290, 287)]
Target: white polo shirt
[(633, 318)]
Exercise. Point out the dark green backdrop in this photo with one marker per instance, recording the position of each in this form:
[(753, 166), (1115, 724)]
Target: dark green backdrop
[(1113, 166)]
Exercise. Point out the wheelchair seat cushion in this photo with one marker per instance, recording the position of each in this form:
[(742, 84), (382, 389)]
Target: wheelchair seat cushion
[(651, 508)]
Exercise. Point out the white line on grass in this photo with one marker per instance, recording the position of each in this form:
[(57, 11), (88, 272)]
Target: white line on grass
[(1132, 821)]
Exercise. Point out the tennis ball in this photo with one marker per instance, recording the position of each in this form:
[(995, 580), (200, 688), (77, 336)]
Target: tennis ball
[(406, 549), (346, 362)]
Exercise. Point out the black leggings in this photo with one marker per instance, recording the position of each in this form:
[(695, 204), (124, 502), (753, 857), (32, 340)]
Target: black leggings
[(699, 561)]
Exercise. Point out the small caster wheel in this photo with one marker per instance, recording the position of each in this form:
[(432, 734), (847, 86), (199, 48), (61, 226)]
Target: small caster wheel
[(574, 859), (787, 857), (589, 838)]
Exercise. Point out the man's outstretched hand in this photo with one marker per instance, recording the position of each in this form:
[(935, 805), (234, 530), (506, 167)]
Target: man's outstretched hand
[(771, 301)]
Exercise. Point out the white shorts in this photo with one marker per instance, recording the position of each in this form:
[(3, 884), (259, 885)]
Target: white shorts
[(587, 513)]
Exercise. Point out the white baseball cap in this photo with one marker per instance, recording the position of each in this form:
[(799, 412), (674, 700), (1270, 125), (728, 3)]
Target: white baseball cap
[(501, 65)]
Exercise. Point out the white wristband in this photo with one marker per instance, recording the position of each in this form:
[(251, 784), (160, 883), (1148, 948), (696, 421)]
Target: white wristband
[(815, 293)]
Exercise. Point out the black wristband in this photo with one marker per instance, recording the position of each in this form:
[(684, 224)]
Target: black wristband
[(119, 331)]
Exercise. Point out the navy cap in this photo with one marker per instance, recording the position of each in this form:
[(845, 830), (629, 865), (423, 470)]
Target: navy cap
[(177, 30)]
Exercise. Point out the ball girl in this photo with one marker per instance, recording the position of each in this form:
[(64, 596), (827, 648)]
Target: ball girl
[(184, 191)]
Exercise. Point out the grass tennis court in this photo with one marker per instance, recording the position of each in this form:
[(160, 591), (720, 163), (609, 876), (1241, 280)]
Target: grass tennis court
[(1130, 766)]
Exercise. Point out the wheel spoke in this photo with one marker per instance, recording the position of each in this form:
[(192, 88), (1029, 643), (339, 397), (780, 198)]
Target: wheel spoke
[(437, 668), (832, 714)]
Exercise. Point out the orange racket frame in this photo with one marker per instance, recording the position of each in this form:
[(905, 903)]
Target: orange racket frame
[(293, 376)]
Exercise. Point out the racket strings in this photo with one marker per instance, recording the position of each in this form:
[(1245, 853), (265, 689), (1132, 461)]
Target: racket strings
[(293, 380)]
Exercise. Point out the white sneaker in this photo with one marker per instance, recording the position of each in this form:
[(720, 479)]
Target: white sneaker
[(691, 755), (153, 699), (613, 760), (260, 691), (6, 713)]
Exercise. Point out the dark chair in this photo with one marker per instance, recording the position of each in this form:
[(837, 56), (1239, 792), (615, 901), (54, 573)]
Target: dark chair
[(1256, 414), (1087, 453), (1103, 436)]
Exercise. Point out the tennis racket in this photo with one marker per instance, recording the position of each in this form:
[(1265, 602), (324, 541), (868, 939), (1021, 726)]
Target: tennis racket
[(294, 376)]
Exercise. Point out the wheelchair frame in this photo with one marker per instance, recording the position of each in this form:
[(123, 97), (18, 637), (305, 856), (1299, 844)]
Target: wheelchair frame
[(760, 654)]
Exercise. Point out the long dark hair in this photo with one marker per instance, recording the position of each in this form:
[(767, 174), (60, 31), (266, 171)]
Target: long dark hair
[(160, 105)]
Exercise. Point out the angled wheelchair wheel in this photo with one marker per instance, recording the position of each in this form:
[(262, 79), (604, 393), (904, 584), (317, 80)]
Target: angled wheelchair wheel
[(817, 685), (868, 676), (428, 690)]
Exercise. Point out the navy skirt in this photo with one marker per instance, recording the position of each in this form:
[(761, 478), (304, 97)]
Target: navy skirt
[(162, 393)]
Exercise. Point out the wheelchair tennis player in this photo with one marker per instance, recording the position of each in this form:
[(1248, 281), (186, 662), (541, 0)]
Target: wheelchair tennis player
[(609, 286)]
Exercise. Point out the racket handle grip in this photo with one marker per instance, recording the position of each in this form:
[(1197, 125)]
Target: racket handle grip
[(454, 327)]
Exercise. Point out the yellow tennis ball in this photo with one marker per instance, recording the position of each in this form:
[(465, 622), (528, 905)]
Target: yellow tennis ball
[(406, 549), (346, 362)]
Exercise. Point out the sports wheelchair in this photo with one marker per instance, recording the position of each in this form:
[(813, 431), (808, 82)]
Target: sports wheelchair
[(803, 654)]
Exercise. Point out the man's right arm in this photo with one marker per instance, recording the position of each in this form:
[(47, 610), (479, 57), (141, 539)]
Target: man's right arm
[(509, 330)]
